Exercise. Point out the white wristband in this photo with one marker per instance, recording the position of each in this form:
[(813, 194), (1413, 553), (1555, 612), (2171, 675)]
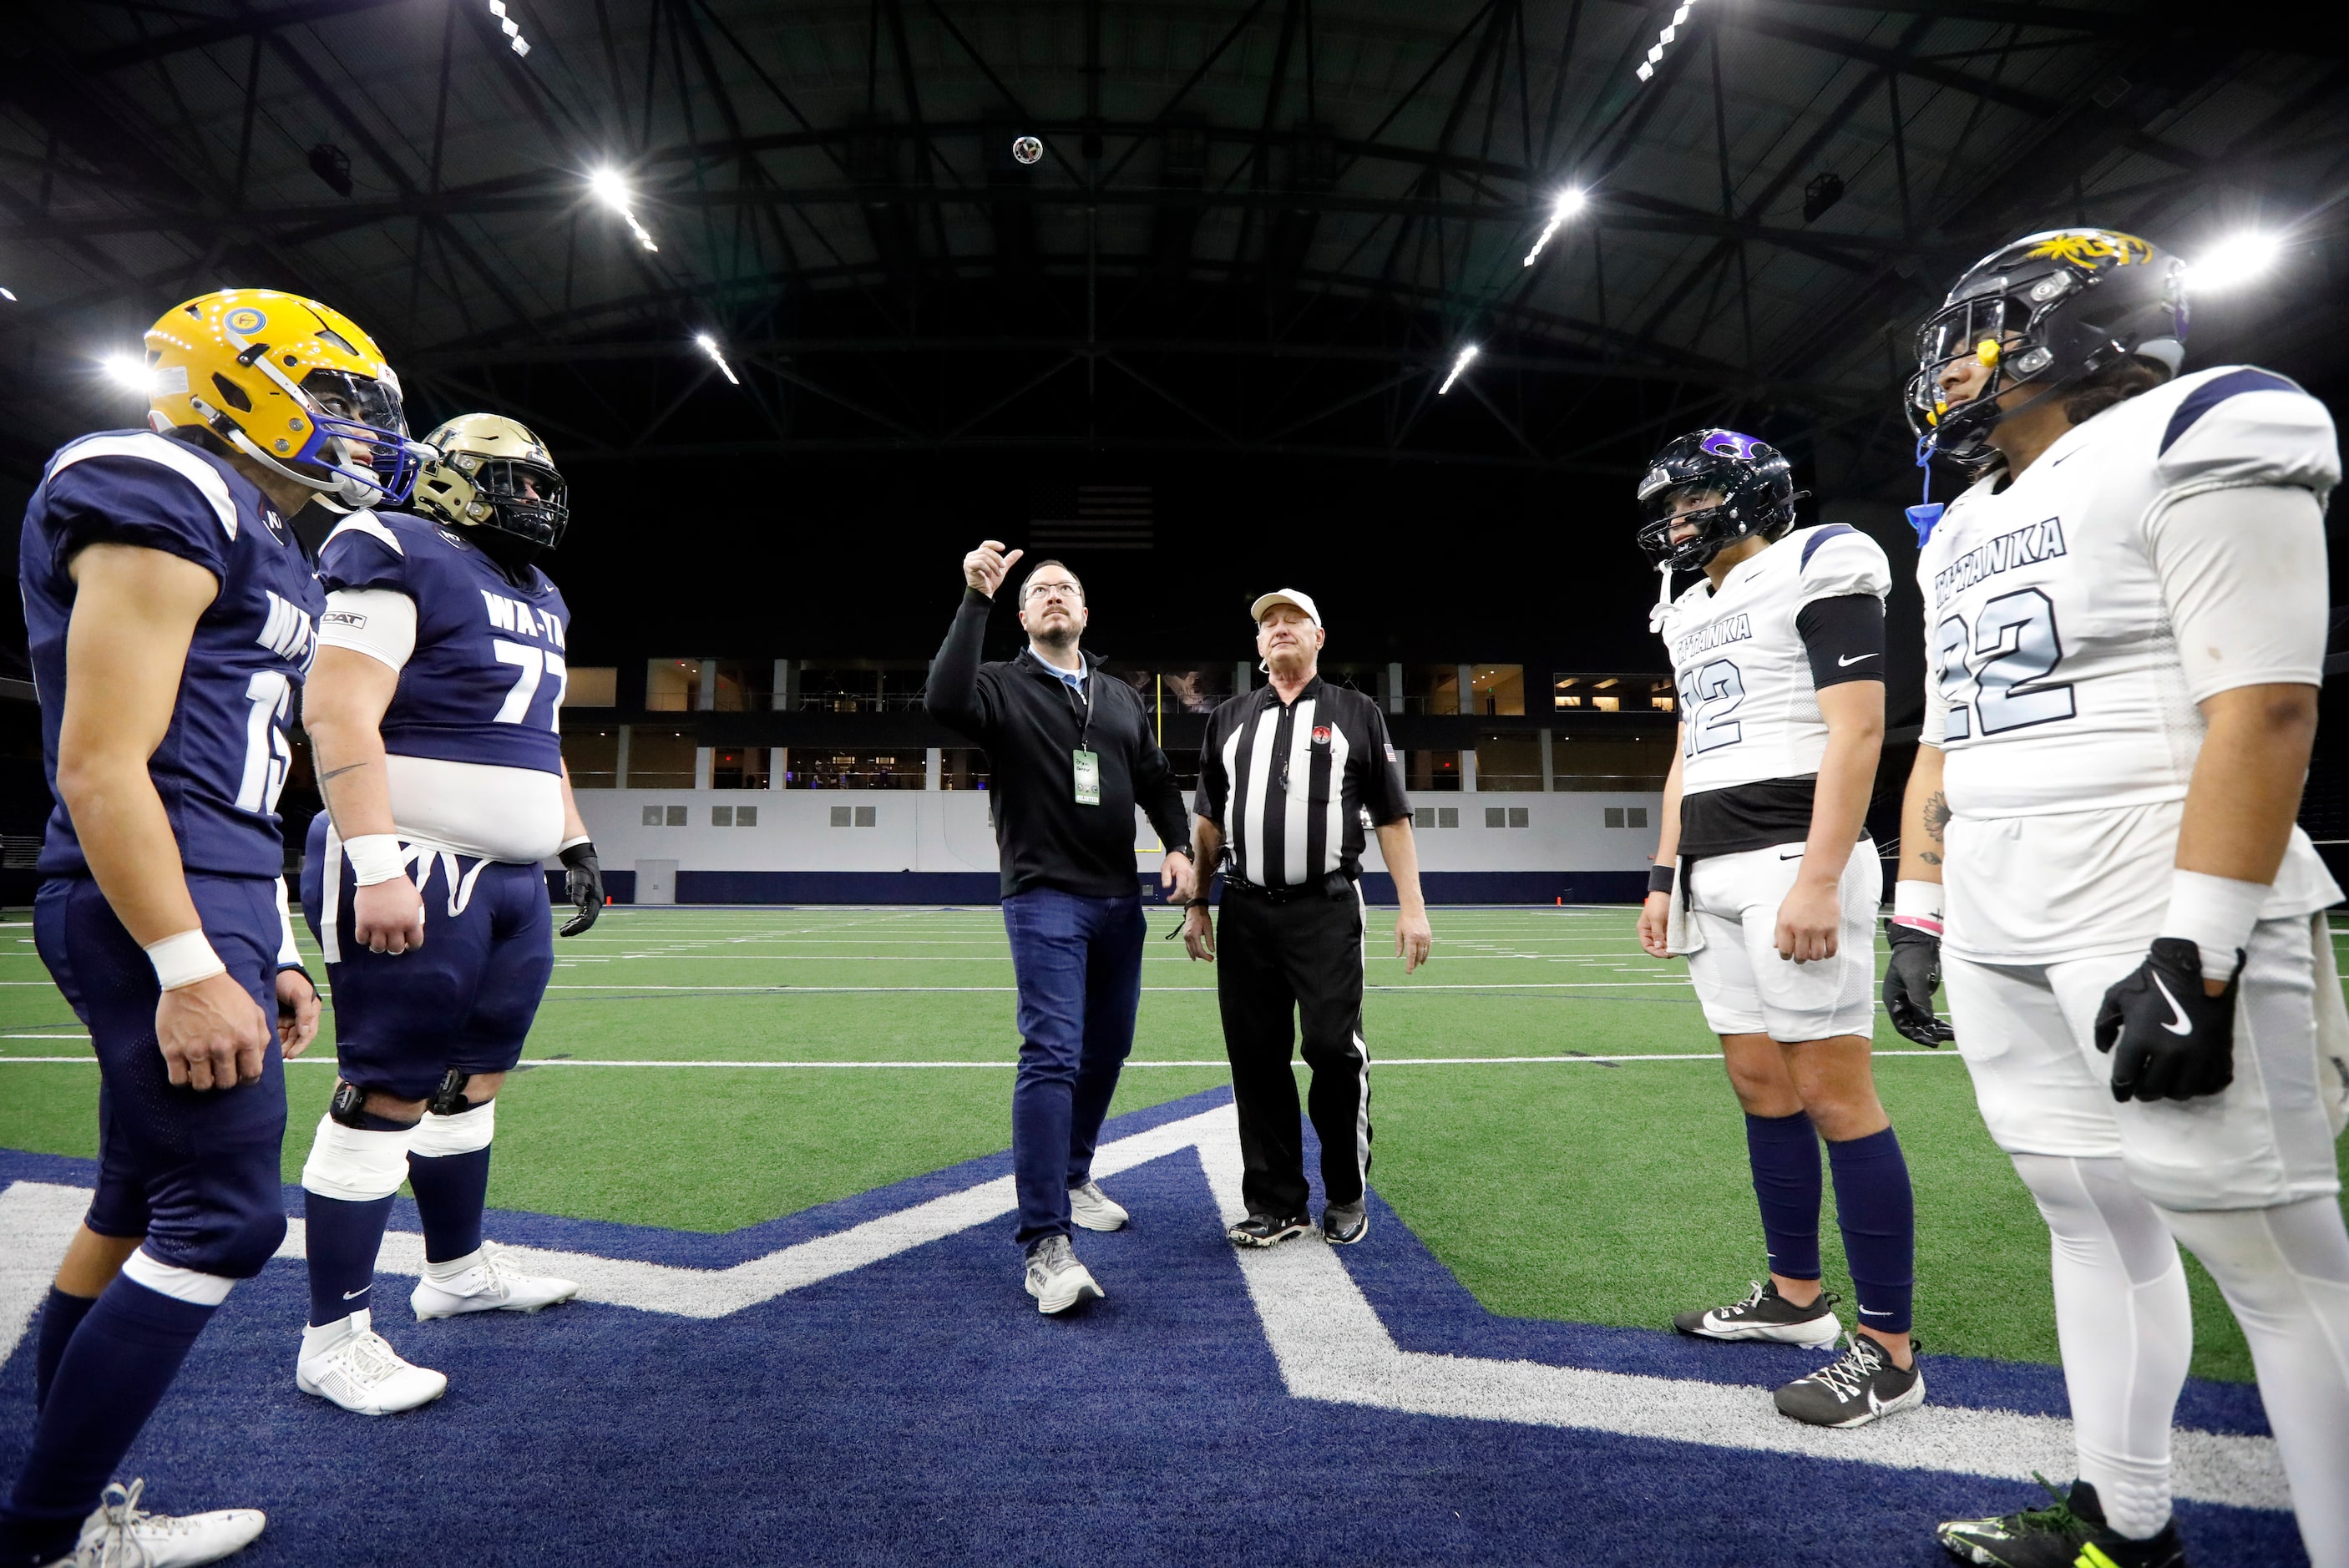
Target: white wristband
[(376, 858), (184, 959), (1917, 904), (2215, 914)]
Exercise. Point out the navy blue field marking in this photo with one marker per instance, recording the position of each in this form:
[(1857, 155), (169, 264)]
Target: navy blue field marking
[(918, 1410)]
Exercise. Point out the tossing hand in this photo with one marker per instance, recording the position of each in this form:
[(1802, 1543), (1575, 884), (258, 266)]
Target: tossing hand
[(985, 568)]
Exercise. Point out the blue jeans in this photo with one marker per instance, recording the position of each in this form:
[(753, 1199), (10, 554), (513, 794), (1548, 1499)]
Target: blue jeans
[(1079, 964)]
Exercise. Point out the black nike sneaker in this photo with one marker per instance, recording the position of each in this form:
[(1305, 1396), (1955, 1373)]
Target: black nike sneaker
[(1766, 1315), (1343, 1224), (1266, 1231), (2069, 1534), (1854, 1388)]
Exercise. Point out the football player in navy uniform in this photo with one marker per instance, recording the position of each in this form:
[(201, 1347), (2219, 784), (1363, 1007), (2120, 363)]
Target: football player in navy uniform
[(171, 615), (434, 712)]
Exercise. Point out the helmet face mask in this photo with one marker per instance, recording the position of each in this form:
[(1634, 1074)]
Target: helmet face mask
[(492, 473), (2048, 311), (1752, 483)]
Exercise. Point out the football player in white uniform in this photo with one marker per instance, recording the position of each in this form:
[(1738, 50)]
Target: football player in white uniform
[(2125, 618), (1765, 877)]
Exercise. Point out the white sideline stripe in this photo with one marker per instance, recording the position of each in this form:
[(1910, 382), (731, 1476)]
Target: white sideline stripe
[(1383, 1061), (1009, 990), (1327, 1338)]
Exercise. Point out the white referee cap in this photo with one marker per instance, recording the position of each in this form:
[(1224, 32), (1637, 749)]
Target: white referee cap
[(1285, 596)]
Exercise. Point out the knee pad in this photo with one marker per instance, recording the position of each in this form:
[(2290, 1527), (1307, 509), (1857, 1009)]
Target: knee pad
[(354, 1166), (246, 1250), (438, 1136)]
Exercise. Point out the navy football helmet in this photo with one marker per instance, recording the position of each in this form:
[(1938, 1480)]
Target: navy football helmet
[(2049, 310), (1753, 482)]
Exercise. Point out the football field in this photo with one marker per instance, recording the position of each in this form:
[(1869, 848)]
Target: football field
[(1553, 1127)]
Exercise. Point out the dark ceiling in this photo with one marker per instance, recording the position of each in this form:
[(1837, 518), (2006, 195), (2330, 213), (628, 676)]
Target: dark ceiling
[(1259, 233)]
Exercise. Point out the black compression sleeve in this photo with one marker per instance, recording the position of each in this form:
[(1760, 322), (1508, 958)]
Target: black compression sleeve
[(1845, 638)]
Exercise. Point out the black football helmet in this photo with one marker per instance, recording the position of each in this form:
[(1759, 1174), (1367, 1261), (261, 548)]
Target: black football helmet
[(1754, 480), (2049, 310)]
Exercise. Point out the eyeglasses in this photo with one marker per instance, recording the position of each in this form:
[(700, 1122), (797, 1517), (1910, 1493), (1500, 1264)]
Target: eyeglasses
[(1068, 591)]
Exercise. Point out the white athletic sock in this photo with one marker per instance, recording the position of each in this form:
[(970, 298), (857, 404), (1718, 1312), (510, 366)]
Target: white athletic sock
[(2285, 1273), (326, 1335), (2126, 1327), (450, 1268)]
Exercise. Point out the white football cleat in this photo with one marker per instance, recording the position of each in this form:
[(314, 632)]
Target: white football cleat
[(363, 1374), (1095, 1210), (491, 1284), (120, 1532)]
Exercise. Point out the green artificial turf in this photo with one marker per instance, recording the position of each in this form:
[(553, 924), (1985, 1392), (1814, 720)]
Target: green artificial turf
[(1600, 1194)]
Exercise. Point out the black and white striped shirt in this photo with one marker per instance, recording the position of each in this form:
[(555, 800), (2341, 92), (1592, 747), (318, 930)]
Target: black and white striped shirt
[(1294, 788)]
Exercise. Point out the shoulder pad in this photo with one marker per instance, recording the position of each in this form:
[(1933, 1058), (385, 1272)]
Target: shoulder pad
[(2245, 426), (148, 447), (368, 525), (1838, 559)]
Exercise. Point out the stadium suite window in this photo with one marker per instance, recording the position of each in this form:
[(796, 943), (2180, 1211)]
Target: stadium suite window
[(738, 767), (671, 685), (1496, 691), (962, 767), (1580, 763), (863, 685), (592, 686), (1509, 764), (815, 768), (1430, 689), (1186, 687), (1432, 770), (592, 755), (1584, 691), (659, 758)]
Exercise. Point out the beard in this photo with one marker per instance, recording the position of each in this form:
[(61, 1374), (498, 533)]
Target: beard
[(1059, 634)]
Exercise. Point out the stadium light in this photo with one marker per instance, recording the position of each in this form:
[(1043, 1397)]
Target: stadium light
[(8, 294), (2236, 258), (1569, 202), (1459, 365), (1663, 40), (127, 371), (611, 188), (709, 344), (513, 28)]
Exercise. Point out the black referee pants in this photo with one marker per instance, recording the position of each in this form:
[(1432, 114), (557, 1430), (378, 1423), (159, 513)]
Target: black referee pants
[(1276, 960)]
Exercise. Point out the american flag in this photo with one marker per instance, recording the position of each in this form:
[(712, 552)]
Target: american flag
[(1092, 517)]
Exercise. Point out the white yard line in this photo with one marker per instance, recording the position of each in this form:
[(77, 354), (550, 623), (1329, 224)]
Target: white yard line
[(529, 1062)]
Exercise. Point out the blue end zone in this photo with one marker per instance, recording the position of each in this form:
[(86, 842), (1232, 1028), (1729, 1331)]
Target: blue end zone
[(918, 1410)]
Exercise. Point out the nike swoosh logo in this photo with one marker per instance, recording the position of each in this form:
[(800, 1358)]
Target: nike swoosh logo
[(1864, 1312), (2177, 1023), (1795, 856), (1846, 663), (361, 1291)]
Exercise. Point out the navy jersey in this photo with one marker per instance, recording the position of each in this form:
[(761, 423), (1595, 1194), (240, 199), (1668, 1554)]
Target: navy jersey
[(223, 760), (485, 682)]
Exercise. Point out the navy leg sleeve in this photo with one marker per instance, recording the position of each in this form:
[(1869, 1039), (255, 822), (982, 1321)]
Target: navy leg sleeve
[(1784, 1152), (1878, 1217)]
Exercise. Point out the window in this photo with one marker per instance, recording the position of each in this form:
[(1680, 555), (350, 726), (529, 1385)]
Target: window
[(1577, 762), (597, 687), (1430, 689), (817, 768), (672, 685), (659, 758), (741, 685), (962, 767), (592, 755), (1181, 688), (1509, 763), (1577, 691), (861, 686), (1497, 689), (1436, 770), (739, 768)]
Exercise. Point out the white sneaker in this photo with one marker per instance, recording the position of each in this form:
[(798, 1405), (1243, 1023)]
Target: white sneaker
[(119, 1534), (491, 1284), (1095, 1210), (363, 1374), (1056, 1279)]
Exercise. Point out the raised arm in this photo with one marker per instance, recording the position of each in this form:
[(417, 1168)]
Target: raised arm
[(952, 696), (135, 613)]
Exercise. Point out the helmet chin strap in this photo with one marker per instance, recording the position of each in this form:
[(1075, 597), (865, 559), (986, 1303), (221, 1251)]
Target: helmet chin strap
[(1663, 596)]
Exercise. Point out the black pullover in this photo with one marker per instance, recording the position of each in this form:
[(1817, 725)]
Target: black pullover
[(1031, 724)]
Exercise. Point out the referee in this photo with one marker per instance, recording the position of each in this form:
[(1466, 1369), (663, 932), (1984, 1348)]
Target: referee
[(1289, 777)]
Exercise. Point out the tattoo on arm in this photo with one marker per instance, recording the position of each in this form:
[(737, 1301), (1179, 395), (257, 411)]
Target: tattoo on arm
[(1937, 814), (1929, 858), (337, 773)]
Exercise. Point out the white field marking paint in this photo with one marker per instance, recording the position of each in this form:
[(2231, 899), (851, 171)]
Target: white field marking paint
[(37, 1221), (1327, 1338), (529, 1062), (1009, 990)]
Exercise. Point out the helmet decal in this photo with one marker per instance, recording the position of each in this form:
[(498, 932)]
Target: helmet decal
[(2092, 248), (246, 320), (1728, 443)]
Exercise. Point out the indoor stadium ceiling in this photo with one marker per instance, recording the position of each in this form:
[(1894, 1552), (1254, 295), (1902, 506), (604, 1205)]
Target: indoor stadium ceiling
[(1255, 226)]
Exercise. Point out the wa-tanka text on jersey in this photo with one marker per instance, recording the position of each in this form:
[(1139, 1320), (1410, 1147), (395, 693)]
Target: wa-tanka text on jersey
[(2023, 547)]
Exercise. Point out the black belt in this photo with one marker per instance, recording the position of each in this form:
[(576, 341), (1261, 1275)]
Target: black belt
[(1337, 884)]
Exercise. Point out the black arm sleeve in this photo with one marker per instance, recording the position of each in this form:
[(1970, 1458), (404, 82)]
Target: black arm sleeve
[(1845, 638), (952, 696)]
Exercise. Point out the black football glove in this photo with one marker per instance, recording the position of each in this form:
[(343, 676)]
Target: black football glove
[(1909, 981), (2175, 1042), (583, 884)]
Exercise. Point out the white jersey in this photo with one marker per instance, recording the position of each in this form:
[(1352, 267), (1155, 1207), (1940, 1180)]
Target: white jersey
[(2053, 684), (1749, 711)]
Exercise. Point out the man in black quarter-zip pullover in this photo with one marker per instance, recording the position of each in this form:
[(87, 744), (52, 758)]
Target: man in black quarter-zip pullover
[(1291, 779), (1072, 757)]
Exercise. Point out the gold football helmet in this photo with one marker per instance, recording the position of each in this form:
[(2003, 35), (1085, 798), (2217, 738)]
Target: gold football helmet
[(294, 385), (491, 472)]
